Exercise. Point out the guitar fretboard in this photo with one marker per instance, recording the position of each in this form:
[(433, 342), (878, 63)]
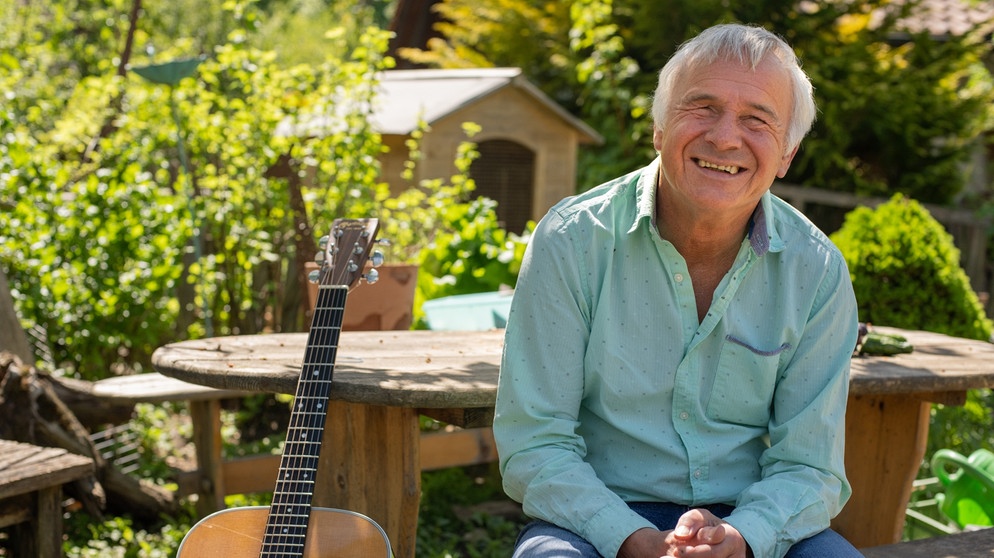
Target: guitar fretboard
[(286, 528)]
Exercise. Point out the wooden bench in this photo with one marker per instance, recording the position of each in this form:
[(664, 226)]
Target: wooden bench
[(968, 544), (204, 403), (31, 479), (216, 477)]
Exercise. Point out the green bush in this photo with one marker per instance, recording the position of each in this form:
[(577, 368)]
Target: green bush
[(472, 254), (906, 273)]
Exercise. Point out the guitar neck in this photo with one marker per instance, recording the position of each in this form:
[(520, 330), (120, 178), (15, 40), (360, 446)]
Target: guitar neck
[(286, 528)]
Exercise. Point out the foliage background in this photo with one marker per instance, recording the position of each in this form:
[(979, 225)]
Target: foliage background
[(98, 216), (899, 111)]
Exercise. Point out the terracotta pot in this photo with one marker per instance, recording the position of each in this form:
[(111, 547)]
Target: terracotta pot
[(387, 304)]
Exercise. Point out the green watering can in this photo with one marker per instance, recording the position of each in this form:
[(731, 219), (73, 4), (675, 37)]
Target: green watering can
[(969, 488)]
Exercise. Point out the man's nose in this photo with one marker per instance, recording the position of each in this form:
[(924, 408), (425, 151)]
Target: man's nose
[(725, 133)]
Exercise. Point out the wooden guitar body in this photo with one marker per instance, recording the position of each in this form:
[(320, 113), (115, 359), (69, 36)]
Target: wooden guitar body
[(239, 533)]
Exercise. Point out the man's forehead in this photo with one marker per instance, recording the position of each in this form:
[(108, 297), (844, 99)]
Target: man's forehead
[(763, 88)]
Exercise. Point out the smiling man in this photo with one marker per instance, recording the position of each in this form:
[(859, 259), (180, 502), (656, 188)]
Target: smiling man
[(676, 358)]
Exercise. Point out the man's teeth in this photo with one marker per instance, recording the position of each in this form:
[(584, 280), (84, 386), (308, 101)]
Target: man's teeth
[(730, 169)]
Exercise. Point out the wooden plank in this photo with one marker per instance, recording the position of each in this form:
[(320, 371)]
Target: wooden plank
[(457, 448), (31, 479), (975, 544), (48, 522), (246, 475), (476, 417), (439, 450), (15, 510), (881, 474), (802, 195), (376, 472), (206, 418), (156, 388), (25, 468)]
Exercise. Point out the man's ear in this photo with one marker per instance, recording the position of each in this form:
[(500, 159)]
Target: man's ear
[(784, 163)]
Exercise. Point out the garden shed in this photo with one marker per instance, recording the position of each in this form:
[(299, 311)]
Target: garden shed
[(528, 144)]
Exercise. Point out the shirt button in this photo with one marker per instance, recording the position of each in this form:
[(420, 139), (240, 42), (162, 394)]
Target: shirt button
[(678, 277), (684, 415), (697, 474)]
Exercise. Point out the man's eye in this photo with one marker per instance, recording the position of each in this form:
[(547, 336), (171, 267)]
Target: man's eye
[(754, 120)]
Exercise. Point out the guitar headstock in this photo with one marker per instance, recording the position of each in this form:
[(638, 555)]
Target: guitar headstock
[(344, 253)]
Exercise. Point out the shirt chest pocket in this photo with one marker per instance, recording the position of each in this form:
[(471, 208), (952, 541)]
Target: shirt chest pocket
[(744, 382)]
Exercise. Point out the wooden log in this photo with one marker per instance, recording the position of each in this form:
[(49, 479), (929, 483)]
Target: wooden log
[(93, 412), (12, 336), (31, 412)]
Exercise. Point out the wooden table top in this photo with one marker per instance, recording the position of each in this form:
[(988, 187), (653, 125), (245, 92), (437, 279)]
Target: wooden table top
[(971, 544), (458, 369), (429, 369), (939, 363)]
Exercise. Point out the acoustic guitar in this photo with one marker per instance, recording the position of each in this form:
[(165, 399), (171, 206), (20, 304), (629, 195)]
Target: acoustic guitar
[(291, 526)]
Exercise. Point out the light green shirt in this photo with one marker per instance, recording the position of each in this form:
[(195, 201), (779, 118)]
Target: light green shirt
[(612, 391)]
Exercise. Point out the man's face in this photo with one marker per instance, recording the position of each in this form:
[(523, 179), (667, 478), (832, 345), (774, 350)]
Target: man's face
[(724, 139)]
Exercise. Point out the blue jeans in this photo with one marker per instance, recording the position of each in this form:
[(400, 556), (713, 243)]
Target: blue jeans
[(544, 540)]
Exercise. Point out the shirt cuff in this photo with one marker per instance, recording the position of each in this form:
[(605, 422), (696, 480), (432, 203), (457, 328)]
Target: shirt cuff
[(760, 537), (609, 528)]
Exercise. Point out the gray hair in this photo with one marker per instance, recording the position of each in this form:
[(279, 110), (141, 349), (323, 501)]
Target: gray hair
[(747, 45)]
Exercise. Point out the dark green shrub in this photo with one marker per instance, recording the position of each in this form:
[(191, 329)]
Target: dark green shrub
[(906, 273)]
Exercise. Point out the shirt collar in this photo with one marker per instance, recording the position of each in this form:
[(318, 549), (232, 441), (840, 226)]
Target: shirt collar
[(763, 235)]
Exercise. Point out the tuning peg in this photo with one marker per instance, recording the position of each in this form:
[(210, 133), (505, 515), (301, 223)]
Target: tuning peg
[(377, 258), (319, 257), (323, 242), (314, 276), (371, 276)]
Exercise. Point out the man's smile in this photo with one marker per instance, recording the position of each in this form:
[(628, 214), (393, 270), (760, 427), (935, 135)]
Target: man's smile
[(730, 169)]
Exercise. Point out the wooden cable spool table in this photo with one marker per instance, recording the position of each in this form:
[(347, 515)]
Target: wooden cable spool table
[(383, 381)]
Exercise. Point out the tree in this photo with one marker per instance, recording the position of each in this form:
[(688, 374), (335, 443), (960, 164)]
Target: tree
[(96, 243), (896, 115)]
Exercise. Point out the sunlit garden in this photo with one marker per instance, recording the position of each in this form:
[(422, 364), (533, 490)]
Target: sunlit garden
[(150, 194)]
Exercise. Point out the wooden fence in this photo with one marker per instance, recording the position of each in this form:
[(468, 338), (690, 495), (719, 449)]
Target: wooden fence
[(970, 232)]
